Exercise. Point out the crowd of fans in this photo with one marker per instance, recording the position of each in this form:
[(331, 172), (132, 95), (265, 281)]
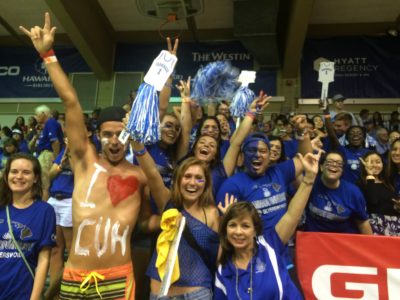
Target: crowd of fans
[(243, 187)]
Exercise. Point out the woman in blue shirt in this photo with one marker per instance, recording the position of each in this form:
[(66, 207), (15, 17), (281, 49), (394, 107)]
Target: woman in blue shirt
[(336, 205), (33, 226), (251, 264)]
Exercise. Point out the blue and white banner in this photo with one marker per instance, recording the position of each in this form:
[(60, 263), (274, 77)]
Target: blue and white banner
[(365, 67), (23, 74), (190, 57)]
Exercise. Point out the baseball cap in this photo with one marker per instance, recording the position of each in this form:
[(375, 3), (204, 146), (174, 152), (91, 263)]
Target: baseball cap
[(338, 97), (16, 130)]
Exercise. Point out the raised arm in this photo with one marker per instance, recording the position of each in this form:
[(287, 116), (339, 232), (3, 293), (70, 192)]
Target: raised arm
[(324, 106), (244, 129), (303, 137), (43, 39), (288, 223), (185, 118), (160, 193), (165, 93)]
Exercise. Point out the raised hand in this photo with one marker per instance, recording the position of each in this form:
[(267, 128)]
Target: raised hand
[(42, 38), (260, 103), (184, 88), (368, 167), (316, 144), (173, 50), (310, 163), (229, 200)]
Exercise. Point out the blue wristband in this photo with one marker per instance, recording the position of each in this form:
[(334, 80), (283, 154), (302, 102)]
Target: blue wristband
[(140, 152)]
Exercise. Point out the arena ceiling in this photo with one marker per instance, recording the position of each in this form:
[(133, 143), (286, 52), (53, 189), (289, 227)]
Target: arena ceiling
[(272, 30)]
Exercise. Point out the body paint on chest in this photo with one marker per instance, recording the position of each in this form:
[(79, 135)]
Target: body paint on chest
[(108, 234), (98, 170)]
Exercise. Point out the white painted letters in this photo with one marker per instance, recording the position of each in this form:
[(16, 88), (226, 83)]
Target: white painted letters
[(78, 249), (101, 248)]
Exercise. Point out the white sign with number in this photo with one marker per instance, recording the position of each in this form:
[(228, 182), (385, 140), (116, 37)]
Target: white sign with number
[(161, 68), (326, 75)]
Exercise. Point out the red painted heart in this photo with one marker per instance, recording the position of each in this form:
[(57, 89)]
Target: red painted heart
[(121, 188)]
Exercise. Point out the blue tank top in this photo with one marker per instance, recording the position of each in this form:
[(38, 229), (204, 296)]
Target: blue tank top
[(194, 271)]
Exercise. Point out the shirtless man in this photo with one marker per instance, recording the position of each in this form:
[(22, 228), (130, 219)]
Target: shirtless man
[(107, 193)]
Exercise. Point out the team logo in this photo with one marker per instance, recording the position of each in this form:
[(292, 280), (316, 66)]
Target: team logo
[(328, 206), (276, 187), (260, 266), (266, 192)]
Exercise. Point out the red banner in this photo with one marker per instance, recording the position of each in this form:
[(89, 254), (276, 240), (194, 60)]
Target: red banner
[(348, 266)]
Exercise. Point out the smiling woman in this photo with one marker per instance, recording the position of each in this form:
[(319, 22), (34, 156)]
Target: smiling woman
[(191, 194), (336, 205), (27, 230)]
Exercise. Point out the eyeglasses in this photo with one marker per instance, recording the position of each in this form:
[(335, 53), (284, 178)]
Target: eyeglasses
[(334, 163)]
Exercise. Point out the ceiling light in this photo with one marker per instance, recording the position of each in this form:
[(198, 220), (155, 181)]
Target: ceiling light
[(392, 32)]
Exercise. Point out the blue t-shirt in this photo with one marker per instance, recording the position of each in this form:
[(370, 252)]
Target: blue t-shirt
[(63, 183), (335, 210), (224, 146), (218, 175), (51, 132), (163, 163), (267, 193), (291, 148), (23, 147), (269, 280), (33, 227), (351, 170)]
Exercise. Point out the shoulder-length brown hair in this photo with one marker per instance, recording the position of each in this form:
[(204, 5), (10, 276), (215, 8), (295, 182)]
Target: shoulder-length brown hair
[(206, 197), (236, 210), (5, 191)]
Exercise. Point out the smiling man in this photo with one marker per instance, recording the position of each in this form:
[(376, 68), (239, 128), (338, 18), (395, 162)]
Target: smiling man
[(107, 192), (265, 187)]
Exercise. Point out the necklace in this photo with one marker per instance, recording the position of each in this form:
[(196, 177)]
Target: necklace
[(250, 288)]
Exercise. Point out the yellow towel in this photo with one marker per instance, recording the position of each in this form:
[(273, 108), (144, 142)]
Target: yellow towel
[(169, 226)]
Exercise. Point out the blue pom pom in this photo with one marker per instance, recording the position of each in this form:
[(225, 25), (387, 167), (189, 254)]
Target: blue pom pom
[(215, 82), (144, 121), (241, 101)]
